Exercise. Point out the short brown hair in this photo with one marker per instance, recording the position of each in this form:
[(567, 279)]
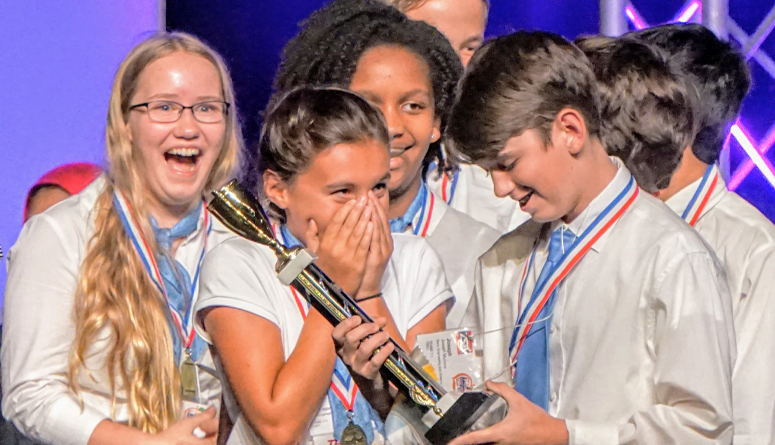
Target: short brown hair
[(646, 108), (518, 82)]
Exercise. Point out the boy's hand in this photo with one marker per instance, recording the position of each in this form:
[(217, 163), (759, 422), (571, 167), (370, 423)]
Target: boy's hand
[(344, 247), (525, 423)]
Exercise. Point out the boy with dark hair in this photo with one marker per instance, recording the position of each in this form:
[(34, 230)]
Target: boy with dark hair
[(614, 312), (646, 113), (741, 236)]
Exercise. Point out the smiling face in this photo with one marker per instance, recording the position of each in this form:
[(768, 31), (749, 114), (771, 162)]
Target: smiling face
[(175, 158), (397, 81), (335, 176), (461, 21), (538, 176)]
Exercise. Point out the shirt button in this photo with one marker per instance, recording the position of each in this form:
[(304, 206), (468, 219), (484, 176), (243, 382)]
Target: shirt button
[(553, 329), (553, 397)]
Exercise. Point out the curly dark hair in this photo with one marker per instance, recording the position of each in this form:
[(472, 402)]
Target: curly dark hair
[(717, 70), (332, 40)]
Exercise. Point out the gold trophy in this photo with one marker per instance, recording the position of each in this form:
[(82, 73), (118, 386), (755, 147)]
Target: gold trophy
[(444, 416)]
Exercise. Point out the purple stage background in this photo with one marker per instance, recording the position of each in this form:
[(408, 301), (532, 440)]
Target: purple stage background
[(58, 64), (59, 59)]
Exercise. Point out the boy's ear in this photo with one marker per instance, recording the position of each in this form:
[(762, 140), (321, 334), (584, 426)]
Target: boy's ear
[(276, 189), (570, 130)]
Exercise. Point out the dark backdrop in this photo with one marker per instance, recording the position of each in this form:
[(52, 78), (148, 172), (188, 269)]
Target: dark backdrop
[(251, 34)]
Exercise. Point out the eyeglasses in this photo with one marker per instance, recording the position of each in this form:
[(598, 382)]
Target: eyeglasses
[(167, 111)]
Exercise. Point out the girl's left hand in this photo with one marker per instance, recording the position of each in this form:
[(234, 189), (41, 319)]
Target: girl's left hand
[(380, 249), (356, 343)]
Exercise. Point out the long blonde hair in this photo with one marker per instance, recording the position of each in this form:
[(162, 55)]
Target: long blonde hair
[(114, 290)]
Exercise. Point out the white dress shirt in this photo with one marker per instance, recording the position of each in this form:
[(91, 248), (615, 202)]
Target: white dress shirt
[(641, 343), (241, 274), (459, 240), (470, 191), (38, 329), (744, 240)]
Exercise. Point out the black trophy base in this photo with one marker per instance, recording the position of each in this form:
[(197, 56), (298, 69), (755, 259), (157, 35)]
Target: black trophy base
[(460, 417)]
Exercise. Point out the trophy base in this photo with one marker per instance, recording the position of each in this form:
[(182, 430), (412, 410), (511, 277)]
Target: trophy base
[(461, 416)]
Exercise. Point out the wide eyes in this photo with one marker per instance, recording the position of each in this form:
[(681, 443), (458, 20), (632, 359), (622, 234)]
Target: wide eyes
[(348, 193)]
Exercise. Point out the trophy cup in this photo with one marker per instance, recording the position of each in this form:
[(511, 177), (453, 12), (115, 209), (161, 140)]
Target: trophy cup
[(444, 415)]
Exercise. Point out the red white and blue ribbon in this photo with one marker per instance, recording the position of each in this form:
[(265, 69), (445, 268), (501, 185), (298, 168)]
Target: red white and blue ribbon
[(701, 196), (569, 259), (448, 186), (183, 322), (422, 221), (343, 385)]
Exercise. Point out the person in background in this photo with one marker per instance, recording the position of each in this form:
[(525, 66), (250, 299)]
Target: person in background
[(53, 187), (647, 110), (741, 236), (461, 21), (464, 187), (408, 70), (99, 345), (59, 184)]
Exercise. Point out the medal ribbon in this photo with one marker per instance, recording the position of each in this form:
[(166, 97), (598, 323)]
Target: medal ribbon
[(423, 219), (448, 187), (184, 324), (701, 196), (343, 385), (569, 259)]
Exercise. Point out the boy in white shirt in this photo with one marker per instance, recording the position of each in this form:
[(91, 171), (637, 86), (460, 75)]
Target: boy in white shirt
[(741, 236), (614, 312)]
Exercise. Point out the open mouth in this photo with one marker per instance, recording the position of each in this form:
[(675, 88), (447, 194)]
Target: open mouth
[(183, 159), (523, 201)]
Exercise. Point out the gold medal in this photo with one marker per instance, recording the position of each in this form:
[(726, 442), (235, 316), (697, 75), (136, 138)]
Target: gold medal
[(188, 379), (353, 435)]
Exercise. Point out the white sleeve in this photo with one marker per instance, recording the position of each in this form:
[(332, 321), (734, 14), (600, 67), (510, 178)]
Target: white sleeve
[(236, 274), (692, 341), (754, 377), (431, 287), (37, 335)]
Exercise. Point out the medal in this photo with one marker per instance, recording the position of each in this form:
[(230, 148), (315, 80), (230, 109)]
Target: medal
[(352, 433), (189, 379)]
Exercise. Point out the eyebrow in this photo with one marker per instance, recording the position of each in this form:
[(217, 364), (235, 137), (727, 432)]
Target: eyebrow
[(472, 39), (167, 96)]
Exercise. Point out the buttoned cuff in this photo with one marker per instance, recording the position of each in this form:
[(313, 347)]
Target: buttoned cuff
[(589, 433)]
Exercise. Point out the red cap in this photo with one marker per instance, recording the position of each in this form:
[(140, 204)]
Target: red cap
[(71, 178)]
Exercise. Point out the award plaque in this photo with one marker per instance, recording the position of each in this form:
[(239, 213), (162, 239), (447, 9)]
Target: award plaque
[(444, 415)]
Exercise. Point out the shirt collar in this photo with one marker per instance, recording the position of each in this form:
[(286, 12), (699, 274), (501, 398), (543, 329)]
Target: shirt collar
[(400, 224), (680, 200), (599, 204)]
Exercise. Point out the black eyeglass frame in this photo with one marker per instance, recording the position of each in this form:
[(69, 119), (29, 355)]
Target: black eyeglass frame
[(182, 109)]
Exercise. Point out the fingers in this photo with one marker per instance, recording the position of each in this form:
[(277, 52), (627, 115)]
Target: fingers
[(335, 225), (507, 392), (313, 238), (352, 220), (189, 423), (481, 436), (209, 426), (343, 328)]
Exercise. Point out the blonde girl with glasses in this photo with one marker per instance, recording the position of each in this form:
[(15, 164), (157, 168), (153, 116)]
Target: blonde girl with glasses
[(99, 345)]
